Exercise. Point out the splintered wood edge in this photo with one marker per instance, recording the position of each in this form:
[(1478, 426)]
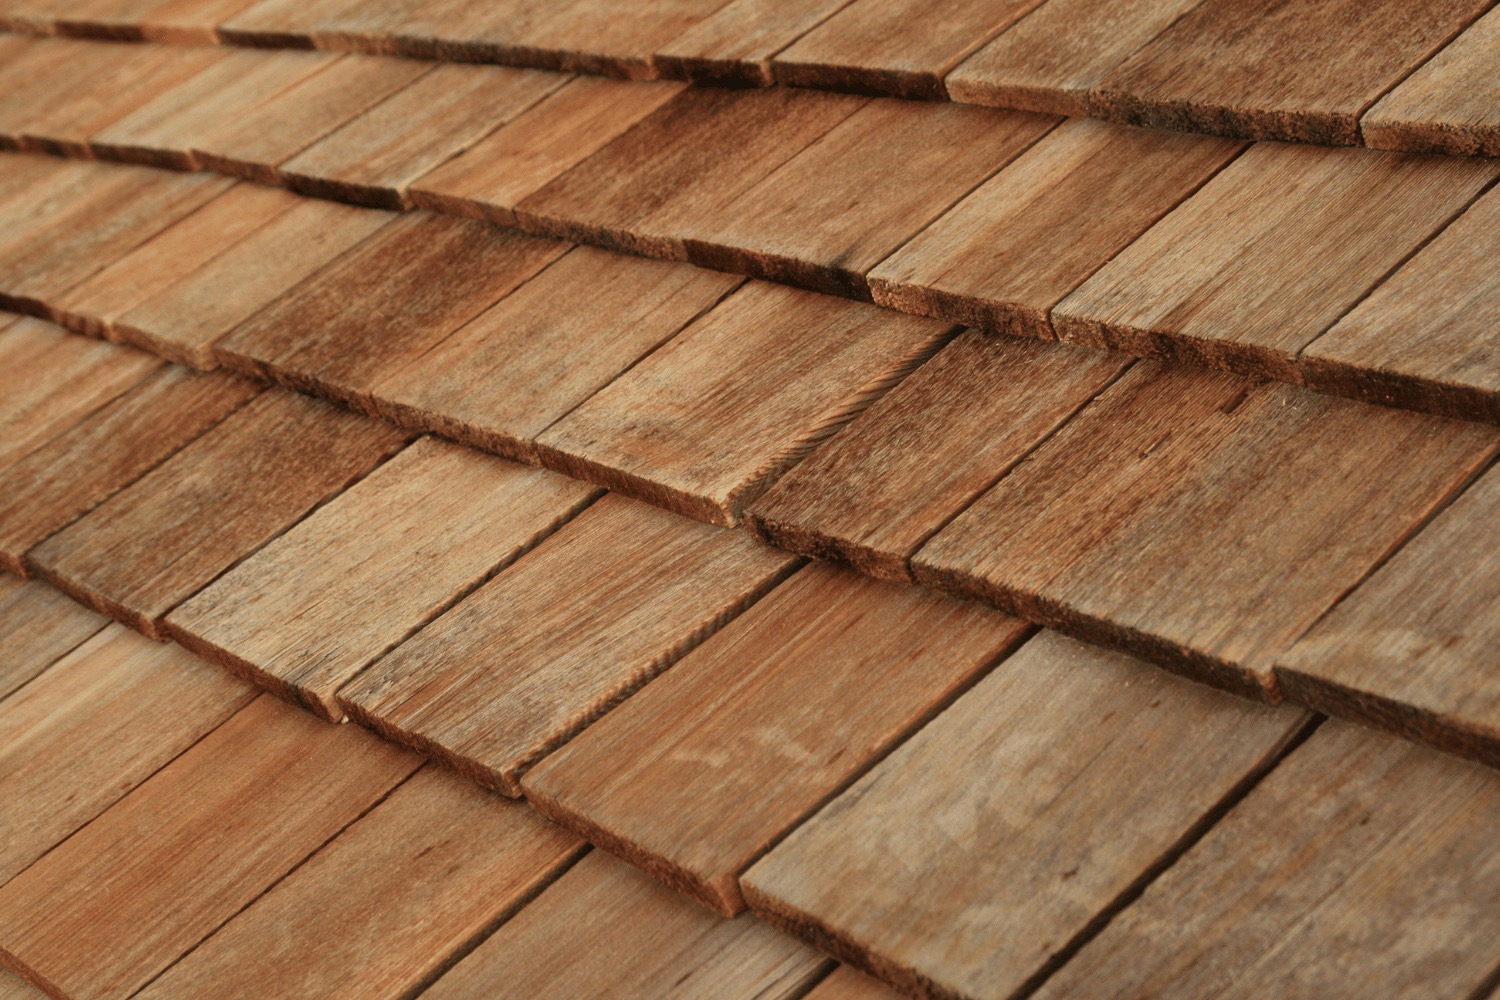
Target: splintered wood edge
[(325, 706), (808, 541)]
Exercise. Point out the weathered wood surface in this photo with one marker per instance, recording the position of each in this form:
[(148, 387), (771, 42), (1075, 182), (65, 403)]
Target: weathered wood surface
[(384, 302), (40, 624), (1005, 255), (1362, 866), (1428, 337), (536, 355), (185, 320), (916, 458), (125, 897), (108, 450), (604, 929), (843, 204), (13, 987), (695, 153), (1165, 517), (149, 547), (1054, 56), (900, 47), (1016, 819), (524, 663), (695, 777), (310, 610), (1269, 254), (1299, 71), (1413, 648), (382, 909), (377, 155), (91, 727), (280, 23), (551, 137), (736, 43), (716, 415), (1450, 105), (179, 22)]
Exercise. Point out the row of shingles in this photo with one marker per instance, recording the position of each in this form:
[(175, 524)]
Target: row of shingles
[(651, 191)]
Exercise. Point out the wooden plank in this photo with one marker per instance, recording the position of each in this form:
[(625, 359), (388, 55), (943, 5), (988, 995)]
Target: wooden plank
[(277, 24), (873, 494), (1362, 865), (554, 135), (509, 374), (715, 416), (154, 544), (736, 44), (388, 904), (177, 22), (96, 724), (107, 451), (1301, 247), (1428, 337), (93, 306), (353, 25), (1280, 71), (604, 929), (900, 47), (1450, 105), (314, 607), (184, 321), (13, 987), (164, 132), (50, 380), (698, 151), (1065, 823), (1412, 648), (848, 983), (254, 144), (40, 624), (129, 894), (812, 685), (1164, 517), (902, 163), (1053, 57), (996, 261), (384, 302), (524, 663), (376, 156)]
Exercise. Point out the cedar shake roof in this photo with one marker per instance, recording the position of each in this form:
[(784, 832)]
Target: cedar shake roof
[(828, 499)]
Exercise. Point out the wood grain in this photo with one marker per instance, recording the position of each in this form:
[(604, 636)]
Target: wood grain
[(996, 259), (843, 204), (164, 131), (94, 725), (1053, 57), (108, 450), (1412, 649), (182, 22), (1362, 865), (1281, 70), (50, 380), (695, 153), (711, 419), (899, 47), (13, 987), (626, 937), (156, 543), (916, 458), (278, 24), (376, 156), (1428, 337), (1164, 517), (1067, 820), (695, 777), (40, 625), (380, 910), (513, 371), (848, 983), (736, 43), (551, 137), (524, 663), (384, 302), (310, 610), (254, 144), (1450, 105), (130, 893), (1269, 254), (185, 320)]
